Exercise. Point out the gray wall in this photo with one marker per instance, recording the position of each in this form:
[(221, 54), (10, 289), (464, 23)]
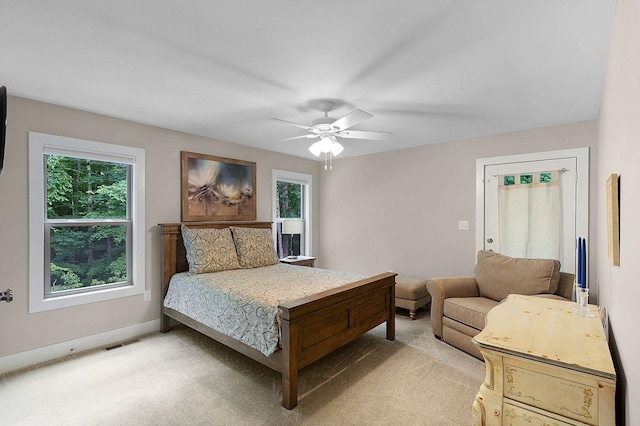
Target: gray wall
[(400, 210), (620, 153), (21, 331)]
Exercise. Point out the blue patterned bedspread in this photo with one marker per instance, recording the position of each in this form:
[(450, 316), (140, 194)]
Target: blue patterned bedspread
[(243, 303)]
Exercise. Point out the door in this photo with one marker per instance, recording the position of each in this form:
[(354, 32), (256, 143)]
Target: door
[(573, 176), (567, 178)]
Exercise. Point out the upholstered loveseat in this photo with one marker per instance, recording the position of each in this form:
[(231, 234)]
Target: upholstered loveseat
[(459, 305)]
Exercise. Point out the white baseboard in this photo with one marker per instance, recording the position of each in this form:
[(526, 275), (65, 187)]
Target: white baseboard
[(58, 350)]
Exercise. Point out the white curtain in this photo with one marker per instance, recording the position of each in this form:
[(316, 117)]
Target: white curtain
[(529, 216)]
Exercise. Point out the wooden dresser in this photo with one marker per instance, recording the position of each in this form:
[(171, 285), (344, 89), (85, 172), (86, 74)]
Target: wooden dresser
[(545, 365)]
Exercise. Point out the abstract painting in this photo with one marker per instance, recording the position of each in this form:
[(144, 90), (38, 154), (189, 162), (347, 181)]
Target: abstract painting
[(217, 188)]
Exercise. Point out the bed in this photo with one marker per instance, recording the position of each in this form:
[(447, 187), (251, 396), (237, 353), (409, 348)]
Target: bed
[(310, 327)]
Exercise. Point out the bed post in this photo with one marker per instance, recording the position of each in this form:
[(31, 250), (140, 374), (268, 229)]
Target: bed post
[(169, 241), (391, 322), (289, 345)]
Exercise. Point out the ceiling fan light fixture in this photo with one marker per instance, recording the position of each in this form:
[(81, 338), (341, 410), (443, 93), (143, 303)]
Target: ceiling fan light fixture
[(325, 144), (316, 149), (336, 149), (327, 128)]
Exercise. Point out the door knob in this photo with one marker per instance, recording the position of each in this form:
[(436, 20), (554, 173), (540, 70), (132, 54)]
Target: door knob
[(6, 295), (489, 240)]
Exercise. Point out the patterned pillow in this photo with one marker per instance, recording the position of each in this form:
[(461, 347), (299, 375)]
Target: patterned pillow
[(209, 250), (254, 247)]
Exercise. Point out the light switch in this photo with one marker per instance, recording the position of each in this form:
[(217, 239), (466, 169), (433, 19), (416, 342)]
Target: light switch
[(463, 225)]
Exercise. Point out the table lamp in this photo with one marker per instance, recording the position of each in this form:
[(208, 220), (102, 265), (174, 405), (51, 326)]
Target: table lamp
[(292, 227)]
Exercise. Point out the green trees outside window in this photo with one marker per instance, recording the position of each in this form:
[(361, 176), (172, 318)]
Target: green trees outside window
[(290, 206), (289, 200), (527, 179), (87, 222)]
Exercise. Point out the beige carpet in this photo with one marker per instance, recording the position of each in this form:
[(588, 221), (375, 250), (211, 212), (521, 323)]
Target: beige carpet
[(184, 378)]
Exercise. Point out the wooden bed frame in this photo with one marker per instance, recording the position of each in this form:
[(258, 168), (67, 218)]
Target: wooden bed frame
[(312, 326)]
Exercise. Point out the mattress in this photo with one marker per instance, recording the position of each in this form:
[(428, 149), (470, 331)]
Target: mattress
[(243, 303)]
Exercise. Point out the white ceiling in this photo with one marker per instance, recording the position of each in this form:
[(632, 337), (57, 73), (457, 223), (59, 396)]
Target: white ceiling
[(428, 70)]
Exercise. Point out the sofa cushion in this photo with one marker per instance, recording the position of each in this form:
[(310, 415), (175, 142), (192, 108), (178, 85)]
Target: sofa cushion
[(499, 276), (459, 327), (468, 310), (460, 340)]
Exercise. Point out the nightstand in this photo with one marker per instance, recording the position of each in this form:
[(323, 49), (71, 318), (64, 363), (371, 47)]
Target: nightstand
[(300, 261)]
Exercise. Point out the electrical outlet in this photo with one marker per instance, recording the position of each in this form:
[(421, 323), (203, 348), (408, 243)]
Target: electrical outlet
[(463, 225), (147, 295)]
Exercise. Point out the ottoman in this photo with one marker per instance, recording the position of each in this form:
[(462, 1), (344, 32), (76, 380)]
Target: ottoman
[(411, 293)]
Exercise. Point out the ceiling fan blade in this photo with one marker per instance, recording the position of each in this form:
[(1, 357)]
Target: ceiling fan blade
[(291, 123), (357, 134), (354, 117), (301, 137)]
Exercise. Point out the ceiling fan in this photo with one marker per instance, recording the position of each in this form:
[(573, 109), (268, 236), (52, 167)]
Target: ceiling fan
[(328, 129)]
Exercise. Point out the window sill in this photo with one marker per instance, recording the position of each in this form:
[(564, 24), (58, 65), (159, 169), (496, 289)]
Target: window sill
[(38, 303)]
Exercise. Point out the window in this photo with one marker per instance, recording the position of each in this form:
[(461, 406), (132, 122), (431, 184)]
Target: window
[(86, 221), (526, 179), (292, 204)]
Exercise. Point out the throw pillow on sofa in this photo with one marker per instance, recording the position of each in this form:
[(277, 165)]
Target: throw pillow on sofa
[(499, 276)]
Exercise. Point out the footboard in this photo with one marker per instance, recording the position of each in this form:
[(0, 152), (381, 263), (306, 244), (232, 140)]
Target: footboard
[(316, 325)]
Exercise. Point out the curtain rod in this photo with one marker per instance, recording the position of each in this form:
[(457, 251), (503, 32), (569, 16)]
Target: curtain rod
[(562, 170)]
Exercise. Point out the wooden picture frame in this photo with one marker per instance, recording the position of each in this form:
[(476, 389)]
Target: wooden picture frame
[(613, 220), (217, 188)]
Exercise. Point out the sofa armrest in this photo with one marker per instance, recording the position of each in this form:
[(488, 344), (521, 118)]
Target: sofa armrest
[(444, 288), (565, 286)]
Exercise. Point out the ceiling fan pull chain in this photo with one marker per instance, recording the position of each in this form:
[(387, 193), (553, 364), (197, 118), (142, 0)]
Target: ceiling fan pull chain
[(328, 159)]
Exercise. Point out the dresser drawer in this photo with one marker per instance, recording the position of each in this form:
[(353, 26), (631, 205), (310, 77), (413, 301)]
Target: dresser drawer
[(560, 391), (514, 415)]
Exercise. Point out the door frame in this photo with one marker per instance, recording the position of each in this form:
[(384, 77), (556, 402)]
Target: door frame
[(582, 185)]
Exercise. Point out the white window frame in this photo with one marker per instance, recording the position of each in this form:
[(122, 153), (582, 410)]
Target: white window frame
[(298, 178), (41, 144)]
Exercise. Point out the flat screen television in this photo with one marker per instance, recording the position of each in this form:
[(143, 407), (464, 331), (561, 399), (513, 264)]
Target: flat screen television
[(3, 123)]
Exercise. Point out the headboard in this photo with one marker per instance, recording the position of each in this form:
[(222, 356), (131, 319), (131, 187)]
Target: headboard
[(174, 256)]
